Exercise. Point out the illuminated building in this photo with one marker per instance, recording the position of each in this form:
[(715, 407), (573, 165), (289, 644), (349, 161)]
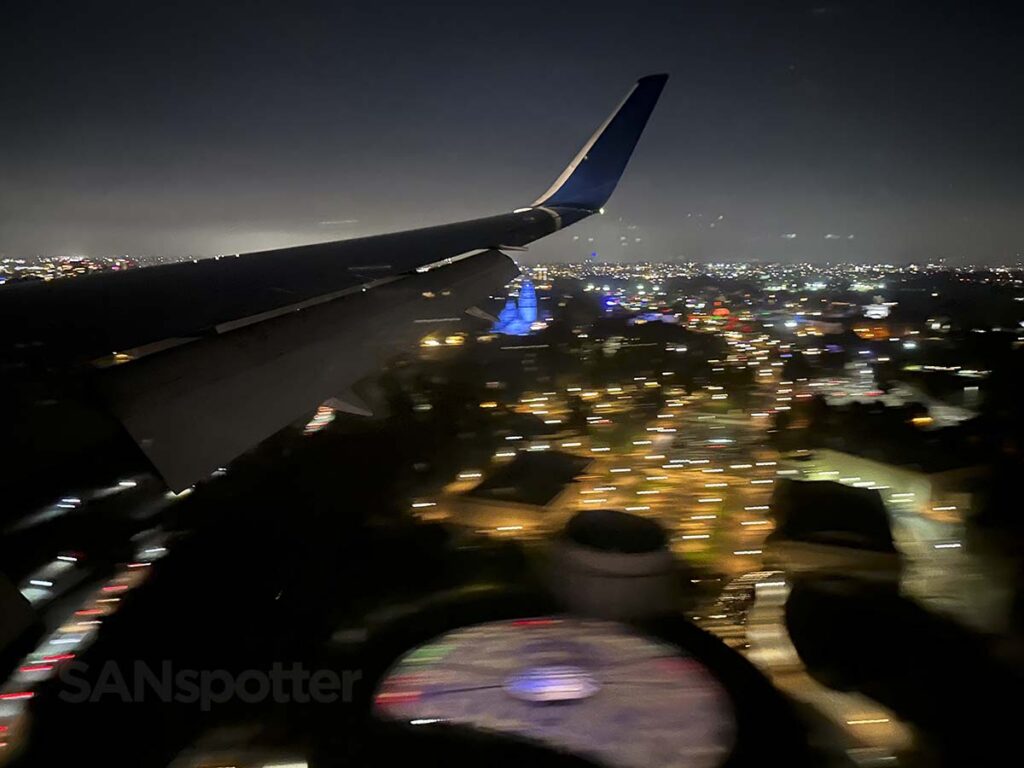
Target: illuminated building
[(518, 316), (560, 681)]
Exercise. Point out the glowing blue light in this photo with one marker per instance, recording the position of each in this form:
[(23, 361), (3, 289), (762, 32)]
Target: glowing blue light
[(551, 684)]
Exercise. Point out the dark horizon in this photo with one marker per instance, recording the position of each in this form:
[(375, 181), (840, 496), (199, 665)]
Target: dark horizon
[(178, 131)]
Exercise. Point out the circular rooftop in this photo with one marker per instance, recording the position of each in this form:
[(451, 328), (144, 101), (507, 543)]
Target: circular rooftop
[(597, 689), (609, 530)]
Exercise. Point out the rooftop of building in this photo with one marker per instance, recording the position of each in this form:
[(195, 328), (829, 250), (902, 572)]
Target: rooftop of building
[(534, 478)]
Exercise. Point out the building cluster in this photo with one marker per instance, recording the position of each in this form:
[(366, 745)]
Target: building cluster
[(689, 393), (51, 268)]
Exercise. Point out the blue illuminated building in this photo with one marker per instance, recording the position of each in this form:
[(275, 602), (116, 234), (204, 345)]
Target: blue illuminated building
[(518, 317)]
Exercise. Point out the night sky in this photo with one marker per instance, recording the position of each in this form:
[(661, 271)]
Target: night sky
[(178, 128)]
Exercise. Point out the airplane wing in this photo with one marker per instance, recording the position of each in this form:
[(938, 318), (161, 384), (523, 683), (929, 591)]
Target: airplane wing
[(213, 356)]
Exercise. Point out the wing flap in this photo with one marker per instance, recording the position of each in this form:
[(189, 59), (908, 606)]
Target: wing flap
[(196, 407)]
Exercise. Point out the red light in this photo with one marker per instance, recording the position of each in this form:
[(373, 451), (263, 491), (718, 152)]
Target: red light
[(36, 668), (387, 699), (14, 696), (533, 622), (59, 657)]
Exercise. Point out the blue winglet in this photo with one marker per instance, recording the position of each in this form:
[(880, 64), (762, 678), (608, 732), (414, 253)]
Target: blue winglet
[(590, 178)]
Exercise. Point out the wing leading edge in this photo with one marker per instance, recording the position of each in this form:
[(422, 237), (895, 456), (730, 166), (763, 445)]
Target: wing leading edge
[(227, 351)]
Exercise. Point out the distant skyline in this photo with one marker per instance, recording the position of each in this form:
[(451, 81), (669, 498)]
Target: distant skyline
[(822, 131)]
